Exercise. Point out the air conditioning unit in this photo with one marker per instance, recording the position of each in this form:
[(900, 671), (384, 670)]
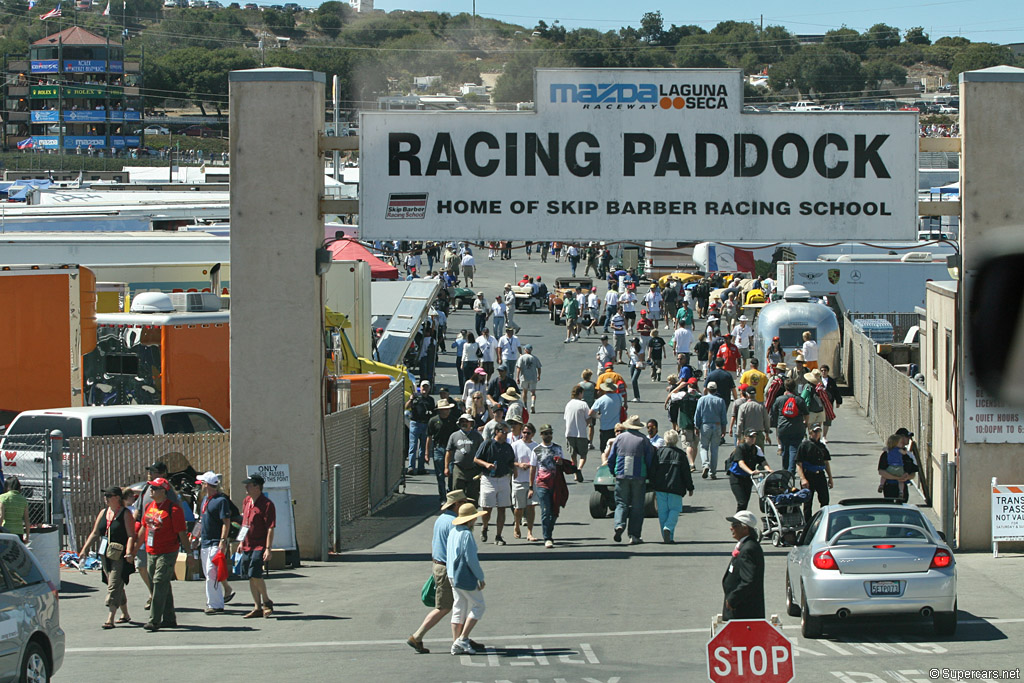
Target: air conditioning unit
[(917, 257), (195, 302)]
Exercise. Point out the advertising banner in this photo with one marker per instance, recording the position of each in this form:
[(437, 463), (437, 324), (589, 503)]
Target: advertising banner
[(45, 116), (85, 115), (131, 115), (88, 66), (116, 67), (44, 66), (45, 92), (648, 154), (46, 141), (84, 142), (73, 91)]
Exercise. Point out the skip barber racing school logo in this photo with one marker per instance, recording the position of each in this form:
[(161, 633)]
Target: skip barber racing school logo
[(407, 205)]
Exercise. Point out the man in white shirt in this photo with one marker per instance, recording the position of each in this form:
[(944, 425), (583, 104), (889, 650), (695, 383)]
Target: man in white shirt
[(605, 353), (594, 304), (498, 310), (522, 504), (510, 308), (742, 334), (619, 331), (468, 268), (682, 343), (627, 302), (482, 312), (486, 343), (509, 350), (576, 414), (611, 303), (653, 300)]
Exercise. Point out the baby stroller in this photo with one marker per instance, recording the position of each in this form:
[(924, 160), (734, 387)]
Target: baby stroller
[(782, 507)]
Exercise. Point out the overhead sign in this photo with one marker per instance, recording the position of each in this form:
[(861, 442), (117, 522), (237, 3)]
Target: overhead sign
[(652, 154), (44, 66), (750, 650), (1007, 512)]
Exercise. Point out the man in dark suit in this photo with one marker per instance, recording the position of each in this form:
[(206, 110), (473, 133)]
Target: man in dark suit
[(743, 582)]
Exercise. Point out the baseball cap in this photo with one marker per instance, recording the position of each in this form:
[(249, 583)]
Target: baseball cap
[(751, 432), (693, 380), (712, 386), (743, 387), (255, 479), (425, 383), (750, 390), (816, 427), (466, 417), (903, 431), (208, 478), (745, 517), (609, 364), (161, 483), (159, 466), (114, 491), (546, 428)]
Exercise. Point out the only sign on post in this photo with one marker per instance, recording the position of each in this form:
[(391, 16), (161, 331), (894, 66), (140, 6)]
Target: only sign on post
[(750, 650)]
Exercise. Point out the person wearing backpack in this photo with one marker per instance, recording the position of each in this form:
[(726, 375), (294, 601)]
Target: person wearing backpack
[(815, 405), (421, 408), (788, 414)]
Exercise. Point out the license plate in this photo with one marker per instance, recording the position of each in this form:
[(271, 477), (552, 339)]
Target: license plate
[(885, 588)]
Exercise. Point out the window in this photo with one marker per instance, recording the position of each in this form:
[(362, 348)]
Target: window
[(189, 423), (122, 364), (122, 424), (845, 519), (18, 566), (811, 529), (28, 430), (949, 366), (935, 349)]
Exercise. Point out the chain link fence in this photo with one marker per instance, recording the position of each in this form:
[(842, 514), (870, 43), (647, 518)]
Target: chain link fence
[(368, 442), (890, 398)]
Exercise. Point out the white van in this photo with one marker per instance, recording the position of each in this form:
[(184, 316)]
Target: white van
[(23, 444)]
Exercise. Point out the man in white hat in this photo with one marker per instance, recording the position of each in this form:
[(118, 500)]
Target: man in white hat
[(742, 335), (510, 307), (467, 579), (439, 429), (214, 530), (443, 596), (630, 460), (743, 582)]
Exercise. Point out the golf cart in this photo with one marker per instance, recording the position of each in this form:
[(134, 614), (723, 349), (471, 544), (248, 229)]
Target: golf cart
[(602, 500), (526, 299)]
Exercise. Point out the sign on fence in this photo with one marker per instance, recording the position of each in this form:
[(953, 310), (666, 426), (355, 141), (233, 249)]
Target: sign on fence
[(277, 487), (1007, 514)]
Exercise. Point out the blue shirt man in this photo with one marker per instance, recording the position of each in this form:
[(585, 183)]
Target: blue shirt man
[(710, 421), (630, 461)]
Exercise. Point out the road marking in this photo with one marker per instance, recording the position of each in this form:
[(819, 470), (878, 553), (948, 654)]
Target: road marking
[(364, 643)]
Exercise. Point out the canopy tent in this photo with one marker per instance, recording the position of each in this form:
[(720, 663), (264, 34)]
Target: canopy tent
[(347, 250)]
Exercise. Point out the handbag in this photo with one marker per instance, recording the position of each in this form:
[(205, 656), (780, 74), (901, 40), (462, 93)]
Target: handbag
[(427, 594), (115, 551)]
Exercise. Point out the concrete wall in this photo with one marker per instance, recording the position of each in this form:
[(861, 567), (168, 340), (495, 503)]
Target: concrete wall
[(940, 318), (991, 102), (277, 351)]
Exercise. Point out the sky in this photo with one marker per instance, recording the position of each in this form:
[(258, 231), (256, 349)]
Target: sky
[(994, 21)]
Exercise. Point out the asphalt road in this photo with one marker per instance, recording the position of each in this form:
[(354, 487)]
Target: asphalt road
[(588, 610)]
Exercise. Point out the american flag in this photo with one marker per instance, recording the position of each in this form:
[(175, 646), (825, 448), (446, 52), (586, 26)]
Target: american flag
[(26, 143), (55, 12)]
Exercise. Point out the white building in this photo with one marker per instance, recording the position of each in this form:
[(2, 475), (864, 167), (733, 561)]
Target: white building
[(361, 5)]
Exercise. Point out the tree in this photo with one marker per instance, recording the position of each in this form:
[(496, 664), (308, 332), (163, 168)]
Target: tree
[(877, 71), (651, 27), (820, 69), (953, 41), (883, 36), (329, 17), (276, 20), (846, 39), (979, 56), (201, 75), (917, 36)]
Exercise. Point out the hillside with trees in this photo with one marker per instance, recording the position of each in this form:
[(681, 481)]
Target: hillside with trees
[(187, 52)]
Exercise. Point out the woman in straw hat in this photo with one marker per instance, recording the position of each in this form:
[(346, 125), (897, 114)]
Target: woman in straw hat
[(467, 579)]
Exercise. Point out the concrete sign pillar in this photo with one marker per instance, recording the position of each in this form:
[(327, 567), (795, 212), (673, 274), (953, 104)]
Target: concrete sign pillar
[(991, 102), (277, 351)]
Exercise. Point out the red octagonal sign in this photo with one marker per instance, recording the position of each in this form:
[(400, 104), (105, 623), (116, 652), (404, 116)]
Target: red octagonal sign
[(750, 650)]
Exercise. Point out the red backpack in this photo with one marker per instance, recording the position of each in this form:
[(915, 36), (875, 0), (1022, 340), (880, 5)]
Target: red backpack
[(790, 408)]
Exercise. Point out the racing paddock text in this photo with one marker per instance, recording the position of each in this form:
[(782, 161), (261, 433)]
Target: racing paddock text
[(614, 207)]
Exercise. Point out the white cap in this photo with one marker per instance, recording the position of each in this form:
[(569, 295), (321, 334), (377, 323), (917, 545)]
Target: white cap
[(744, 517), (208, 478)]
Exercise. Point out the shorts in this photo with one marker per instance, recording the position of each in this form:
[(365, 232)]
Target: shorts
[(570, 321), (630, 315), (689, 438), (444, 598), (816, 417), (496, 492), (578, 446), (252, 564), (620, 342), (140, 556), (528, 387), (521, 495), (468, 271)]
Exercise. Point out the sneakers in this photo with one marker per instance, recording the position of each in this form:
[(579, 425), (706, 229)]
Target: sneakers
[(549, 543), (618, 534), (704, 473), (579, 476), (417, 645), (666, 536), (635, 540), (483, 535), (714, 476), (462, 646), (150, 626), (498, 540), (213, 610)]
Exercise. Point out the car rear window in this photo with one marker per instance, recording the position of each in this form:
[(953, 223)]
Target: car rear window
[(28, 430), (18, 566), (119, 425), (189, 423), (843, 519)]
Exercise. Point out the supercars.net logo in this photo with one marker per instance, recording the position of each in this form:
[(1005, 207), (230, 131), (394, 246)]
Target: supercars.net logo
[(641, 95)]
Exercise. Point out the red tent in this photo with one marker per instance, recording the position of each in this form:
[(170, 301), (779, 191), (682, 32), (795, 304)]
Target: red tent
[(347, 250)]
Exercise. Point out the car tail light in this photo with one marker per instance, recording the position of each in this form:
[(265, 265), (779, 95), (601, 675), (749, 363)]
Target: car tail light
[(941, 559), (823, 560), (887, 546)]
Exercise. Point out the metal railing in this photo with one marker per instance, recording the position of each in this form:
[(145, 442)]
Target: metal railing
[(901, 322), (890, 398), (365, 448)]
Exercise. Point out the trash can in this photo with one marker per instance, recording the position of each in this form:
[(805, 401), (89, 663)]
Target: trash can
[(44, 543)]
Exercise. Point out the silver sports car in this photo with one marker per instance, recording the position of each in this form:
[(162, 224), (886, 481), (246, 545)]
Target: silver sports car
[(870, 557)]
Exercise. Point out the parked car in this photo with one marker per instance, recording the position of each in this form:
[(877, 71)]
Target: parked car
[(251, 5), (152, 130), (198, 131), (33, 644), (869, 557), (563, 285)]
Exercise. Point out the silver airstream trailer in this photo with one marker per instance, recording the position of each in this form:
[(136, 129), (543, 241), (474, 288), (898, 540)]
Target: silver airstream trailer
[(789, 318)]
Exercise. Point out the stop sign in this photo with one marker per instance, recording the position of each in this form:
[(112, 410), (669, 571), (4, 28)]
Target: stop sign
[(750, 650)]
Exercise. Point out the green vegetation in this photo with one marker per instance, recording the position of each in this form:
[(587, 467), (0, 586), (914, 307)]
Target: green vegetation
[(187, 53)]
